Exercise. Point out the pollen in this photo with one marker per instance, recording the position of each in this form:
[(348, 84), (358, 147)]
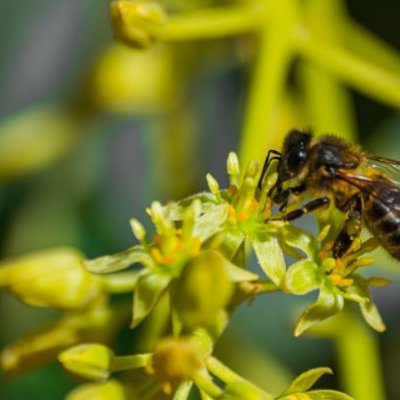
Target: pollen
[(242, 215), (231, 212), (324, 253), (196, 246), (167, 388), (160, 258), (337, 280)]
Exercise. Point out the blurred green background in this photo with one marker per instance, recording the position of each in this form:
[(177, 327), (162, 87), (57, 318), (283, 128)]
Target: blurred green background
[(91, 133)]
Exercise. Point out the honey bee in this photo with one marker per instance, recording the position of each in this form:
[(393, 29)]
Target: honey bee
[(329, 170)]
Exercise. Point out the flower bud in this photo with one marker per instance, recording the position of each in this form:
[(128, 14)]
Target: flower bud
[(127, 81), (233, 164), (90, 361), (99, 391), (137, 23), (203, 290), (252, 169), (53, 278), (213, 185), (138, 230)]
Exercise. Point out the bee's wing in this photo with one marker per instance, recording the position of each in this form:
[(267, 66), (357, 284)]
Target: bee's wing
[(389, 167), (385, 187)]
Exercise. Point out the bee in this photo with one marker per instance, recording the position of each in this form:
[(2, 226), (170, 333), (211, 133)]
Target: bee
[(327, 169)]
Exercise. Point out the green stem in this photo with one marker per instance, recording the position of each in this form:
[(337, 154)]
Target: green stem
[(204, 382), (251, 289), (122, 363), (360, 73), (213, 23), (205, 396), (269, 77), (226, 375), (329, 104), (359, 360), (123, 282), (365, 43), (182, 393)]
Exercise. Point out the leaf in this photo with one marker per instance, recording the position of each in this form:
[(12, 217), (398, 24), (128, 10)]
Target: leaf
[(368, 308), (211, 222), (372, 315), (318, 395), (306, 380), (118, 261), (301, 277), (237, 274), (299, 239), (148, 290), (270, 258), (328, 304)]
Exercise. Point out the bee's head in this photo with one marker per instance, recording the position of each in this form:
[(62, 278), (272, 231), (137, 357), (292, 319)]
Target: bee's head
[(295, 153)]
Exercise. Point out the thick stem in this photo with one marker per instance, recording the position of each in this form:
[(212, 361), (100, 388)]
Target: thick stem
[(368, 45), (328, 103), (269, 77), (213, 23), (354, 70), (359, 360)]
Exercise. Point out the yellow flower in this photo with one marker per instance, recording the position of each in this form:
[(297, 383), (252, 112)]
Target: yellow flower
[(175, 361)]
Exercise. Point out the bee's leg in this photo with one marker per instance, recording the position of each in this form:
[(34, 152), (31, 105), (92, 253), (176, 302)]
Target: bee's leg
[(352, 227), (284, 195), (268, 160), (307, 208)]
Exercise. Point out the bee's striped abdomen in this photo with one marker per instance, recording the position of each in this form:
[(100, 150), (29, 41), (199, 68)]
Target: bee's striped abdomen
[(384, 222)]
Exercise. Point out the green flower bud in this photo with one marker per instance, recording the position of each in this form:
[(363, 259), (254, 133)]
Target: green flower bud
[(138, 230), (137, 23), (90, 361), (213, 184), (53, 278), (233, 164), (203, 290), (252, 169), (33, 139), (127, 81), (99, 391)]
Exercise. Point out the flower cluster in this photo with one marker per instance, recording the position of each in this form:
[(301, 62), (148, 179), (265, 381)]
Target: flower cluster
[(193, 273)]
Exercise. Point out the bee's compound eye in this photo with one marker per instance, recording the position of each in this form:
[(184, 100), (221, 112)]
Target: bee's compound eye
[(296, 159), (294, 154)]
